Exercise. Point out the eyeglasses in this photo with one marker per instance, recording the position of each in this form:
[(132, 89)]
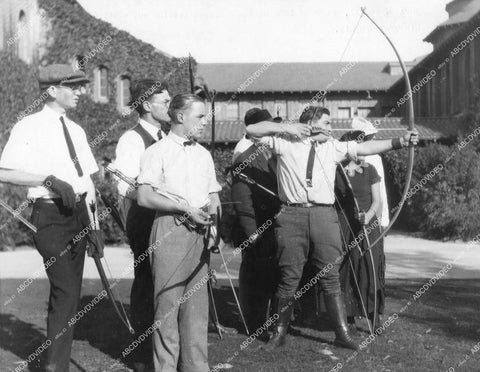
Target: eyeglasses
[(79, 87)]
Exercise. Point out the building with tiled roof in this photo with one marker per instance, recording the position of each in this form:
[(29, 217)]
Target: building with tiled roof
[(446, 82), (429, 129), (346, 88)]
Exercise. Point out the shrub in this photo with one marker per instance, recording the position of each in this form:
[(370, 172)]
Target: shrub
[(443, 197)]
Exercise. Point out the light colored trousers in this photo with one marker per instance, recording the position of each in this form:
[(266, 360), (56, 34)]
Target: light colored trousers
[(180, 275)]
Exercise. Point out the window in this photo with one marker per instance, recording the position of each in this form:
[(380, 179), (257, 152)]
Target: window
[(79, 62), (344, 113), (388, 110), (100, 93), (444, 91), (280, 109), (364, 112), (247, 105), (123, 92), (21, 37), (232, 111)]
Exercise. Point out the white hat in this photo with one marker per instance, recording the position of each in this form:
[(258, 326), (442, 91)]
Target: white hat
[(363, 125)]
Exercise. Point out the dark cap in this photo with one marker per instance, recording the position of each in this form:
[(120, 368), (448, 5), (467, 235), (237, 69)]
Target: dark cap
[(256, 115), (63, 74)]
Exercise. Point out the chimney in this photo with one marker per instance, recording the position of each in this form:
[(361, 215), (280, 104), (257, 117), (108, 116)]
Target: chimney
[(456, 6)]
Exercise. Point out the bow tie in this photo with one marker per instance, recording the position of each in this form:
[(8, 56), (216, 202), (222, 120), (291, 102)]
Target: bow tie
[(189, 143), (159, 135)]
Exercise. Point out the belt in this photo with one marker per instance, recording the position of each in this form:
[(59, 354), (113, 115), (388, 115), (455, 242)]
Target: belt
[(307, 205), (78, 198)]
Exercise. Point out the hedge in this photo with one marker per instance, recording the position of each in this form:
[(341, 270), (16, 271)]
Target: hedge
[(72, 31), (443, 200)]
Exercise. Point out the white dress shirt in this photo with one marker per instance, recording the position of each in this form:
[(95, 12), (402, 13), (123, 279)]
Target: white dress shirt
[(292, 159), (376, 161), (37, 145), (129, 152), (187, 171), (243, 145)]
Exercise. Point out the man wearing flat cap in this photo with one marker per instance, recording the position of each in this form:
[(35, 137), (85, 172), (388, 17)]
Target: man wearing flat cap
[(254, 207), (50, 154)]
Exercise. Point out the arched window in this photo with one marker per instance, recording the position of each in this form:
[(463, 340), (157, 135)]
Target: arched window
[(123, 92), (79, 62), (100, 91), (22, 37)]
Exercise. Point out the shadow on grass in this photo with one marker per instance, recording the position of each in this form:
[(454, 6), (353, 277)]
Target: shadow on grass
[(227, 309), (102, 328), (450, 306), (20, 338)]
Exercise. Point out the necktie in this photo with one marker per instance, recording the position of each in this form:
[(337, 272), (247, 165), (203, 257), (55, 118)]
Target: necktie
[(188, 143), (71, 148), (311, 158), (159, 134)]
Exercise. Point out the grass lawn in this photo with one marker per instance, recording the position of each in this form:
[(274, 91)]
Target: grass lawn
[(435, 333)]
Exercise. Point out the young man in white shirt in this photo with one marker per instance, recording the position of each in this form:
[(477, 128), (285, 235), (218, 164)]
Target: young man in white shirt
[(307, 228), (177, 178), (50, 154), (150, 98)]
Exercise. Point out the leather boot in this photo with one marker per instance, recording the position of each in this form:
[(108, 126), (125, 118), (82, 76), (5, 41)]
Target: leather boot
[(336, 309), (284, 308)]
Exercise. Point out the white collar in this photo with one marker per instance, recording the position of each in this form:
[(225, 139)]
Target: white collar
[(50, 112), (150, 128), (177, 139)]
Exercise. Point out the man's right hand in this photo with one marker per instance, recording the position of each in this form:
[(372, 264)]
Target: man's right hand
[(62, 188), (199, 217), (298, 130)]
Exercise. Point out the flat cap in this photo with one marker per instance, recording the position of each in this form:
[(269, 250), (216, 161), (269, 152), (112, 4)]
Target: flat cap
[(57, 74), (256, 115)]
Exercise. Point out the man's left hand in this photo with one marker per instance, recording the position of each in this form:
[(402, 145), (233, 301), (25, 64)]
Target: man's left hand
[(410, 138)]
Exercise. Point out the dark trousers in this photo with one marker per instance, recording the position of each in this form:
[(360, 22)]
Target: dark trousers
[(257, 280), (57, 227), (308, 235), (139, 225)]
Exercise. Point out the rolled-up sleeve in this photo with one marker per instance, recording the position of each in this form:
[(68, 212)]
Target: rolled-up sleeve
[(129, 151), (213, 185), (18, 149), (151, 168), (89, 164), (275, 144)]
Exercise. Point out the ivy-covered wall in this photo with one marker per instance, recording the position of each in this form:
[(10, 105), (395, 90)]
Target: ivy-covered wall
[(73, 32)]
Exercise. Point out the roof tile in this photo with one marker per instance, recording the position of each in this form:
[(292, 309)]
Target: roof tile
[(428, 128)]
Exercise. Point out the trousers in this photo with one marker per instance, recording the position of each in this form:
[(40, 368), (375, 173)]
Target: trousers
[(180, 274), (257, 280), (139, 226), (57, 227), (308, 235)]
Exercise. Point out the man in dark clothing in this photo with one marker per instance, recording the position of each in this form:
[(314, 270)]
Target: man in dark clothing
[(255, 208)]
